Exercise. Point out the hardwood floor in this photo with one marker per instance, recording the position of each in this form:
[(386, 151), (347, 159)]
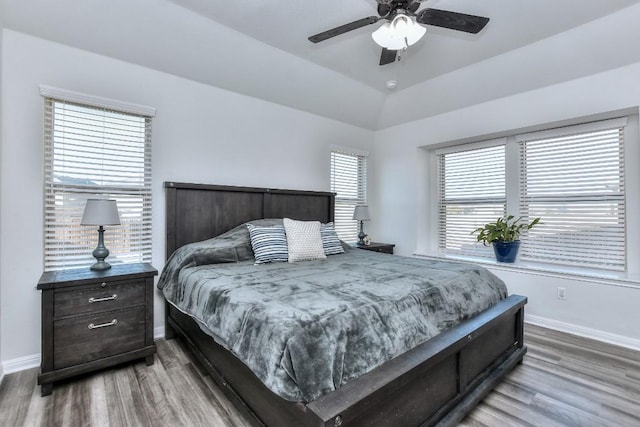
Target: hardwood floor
[(564, 381)]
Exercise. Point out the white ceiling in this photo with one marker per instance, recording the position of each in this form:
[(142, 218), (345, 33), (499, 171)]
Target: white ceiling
[(286, 24), (260, 49)]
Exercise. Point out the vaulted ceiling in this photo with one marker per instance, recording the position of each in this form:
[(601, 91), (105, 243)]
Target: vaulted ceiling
[(260, 48), (286, 24)]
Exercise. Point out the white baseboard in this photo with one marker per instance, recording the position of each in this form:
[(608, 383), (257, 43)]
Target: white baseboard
[(1, 373), (582, 331), (20, 364), (158, 332)]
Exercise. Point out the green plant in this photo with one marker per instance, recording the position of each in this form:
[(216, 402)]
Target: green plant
[(504, 229)]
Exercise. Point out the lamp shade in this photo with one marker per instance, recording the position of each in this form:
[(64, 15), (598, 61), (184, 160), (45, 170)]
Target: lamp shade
[(361, 213), (100, 212), (399, 34)]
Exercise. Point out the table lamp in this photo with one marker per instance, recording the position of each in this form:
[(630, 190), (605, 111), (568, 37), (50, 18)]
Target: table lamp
[(100, 212), (361, 213)]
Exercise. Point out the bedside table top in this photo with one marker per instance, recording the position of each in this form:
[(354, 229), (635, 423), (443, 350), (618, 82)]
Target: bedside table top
[(375, 245), (83, 275)]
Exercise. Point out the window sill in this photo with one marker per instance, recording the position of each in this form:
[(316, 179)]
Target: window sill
[(613, 278)]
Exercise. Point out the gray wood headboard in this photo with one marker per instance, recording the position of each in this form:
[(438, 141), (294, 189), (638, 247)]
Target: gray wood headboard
[(199, 211)]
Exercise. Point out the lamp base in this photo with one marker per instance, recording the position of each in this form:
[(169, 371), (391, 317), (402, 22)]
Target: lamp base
[(101, 266), (361, 235), (100, 253)]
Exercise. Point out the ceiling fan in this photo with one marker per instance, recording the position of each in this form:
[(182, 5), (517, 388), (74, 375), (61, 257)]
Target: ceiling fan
[(401, 29)]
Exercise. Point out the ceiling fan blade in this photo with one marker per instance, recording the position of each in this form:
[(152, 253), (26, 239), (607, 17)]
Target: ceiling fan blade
[(388, 56), (452, 20), (343, 29)]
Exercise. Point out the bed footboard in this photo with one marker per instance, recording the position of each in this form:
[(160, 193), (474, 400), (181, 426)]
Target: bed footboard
[(437, 383)]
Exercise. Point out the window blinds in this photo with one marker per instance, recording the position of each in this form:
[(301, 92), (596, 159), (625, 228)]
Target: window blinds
[(349, 182), (93, 152), (471, 194), (574, 179)]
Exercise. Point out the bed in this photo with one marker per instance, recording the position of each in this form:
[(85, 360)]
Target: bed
[(434, 383)]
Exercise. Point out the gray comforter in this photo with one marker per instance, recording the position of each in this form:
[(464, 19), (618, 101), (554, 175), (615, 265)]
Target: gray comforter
[(306, 329)]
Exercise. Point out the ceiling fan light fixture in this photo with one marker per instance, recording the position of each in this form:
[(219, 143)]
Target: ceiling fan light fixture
[(399, 34), (382, 36), (401, 25)]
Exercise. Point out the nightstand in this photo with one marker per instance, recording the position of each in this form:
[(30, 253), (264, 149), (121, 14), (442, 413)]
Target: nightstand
[(95, 319), (385, 248)]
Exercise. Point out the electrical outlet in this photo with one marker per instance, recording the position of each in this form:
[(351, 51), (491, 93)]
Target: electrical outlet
[(562, 293)]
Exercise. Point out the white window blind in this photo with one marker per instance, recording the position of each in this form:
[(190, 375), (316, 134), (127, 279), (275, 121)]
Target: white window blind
[(574, 179), (349, 182), (93, 152), (471, 189)]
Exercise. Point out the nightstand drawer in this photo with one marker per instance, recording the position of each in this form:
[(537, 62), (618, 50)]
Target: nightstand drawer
[(86, 338), (97, 298), (386, 250)]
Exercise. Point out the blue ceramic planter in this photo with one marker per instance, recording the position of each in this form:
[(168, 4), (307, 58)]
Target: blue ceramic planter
[(506, 251)]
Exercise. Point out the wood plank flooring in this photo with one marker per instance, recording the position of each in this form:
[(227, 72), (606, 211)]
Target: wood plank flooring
[(564, 381)]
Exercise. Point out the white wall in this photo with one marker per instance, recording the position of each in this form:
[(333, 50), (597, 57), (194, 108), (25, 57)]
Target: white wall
[(402, 180), (200, 134)]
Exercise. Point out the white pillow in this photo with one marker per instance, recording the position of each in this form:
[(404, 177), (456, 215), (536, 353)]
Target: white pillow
[(303, 240)]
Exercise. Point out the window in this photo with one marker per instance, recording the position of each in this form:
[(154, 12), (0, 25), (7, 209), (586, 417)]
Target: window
[(572, 177), (471, 193), (95, 152), (349, 182)]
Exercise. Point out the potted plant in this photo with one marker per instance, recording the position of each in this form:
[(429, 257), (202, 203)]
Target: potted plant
[(504, 235)]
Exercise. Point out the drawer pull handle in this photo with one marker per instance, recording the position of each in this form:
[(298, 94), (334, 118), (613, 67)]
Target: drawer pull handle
[(111, 298), (112, 323)]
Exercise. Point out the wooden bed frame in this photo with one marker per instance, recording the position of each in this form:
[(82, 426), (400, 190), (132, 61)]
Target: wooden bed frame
[(436, 383)]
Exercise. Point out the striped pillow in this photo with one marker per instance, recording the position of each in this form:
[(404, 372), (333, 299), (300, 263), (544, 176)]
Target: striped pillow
[(269, 244), (330, 241)]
